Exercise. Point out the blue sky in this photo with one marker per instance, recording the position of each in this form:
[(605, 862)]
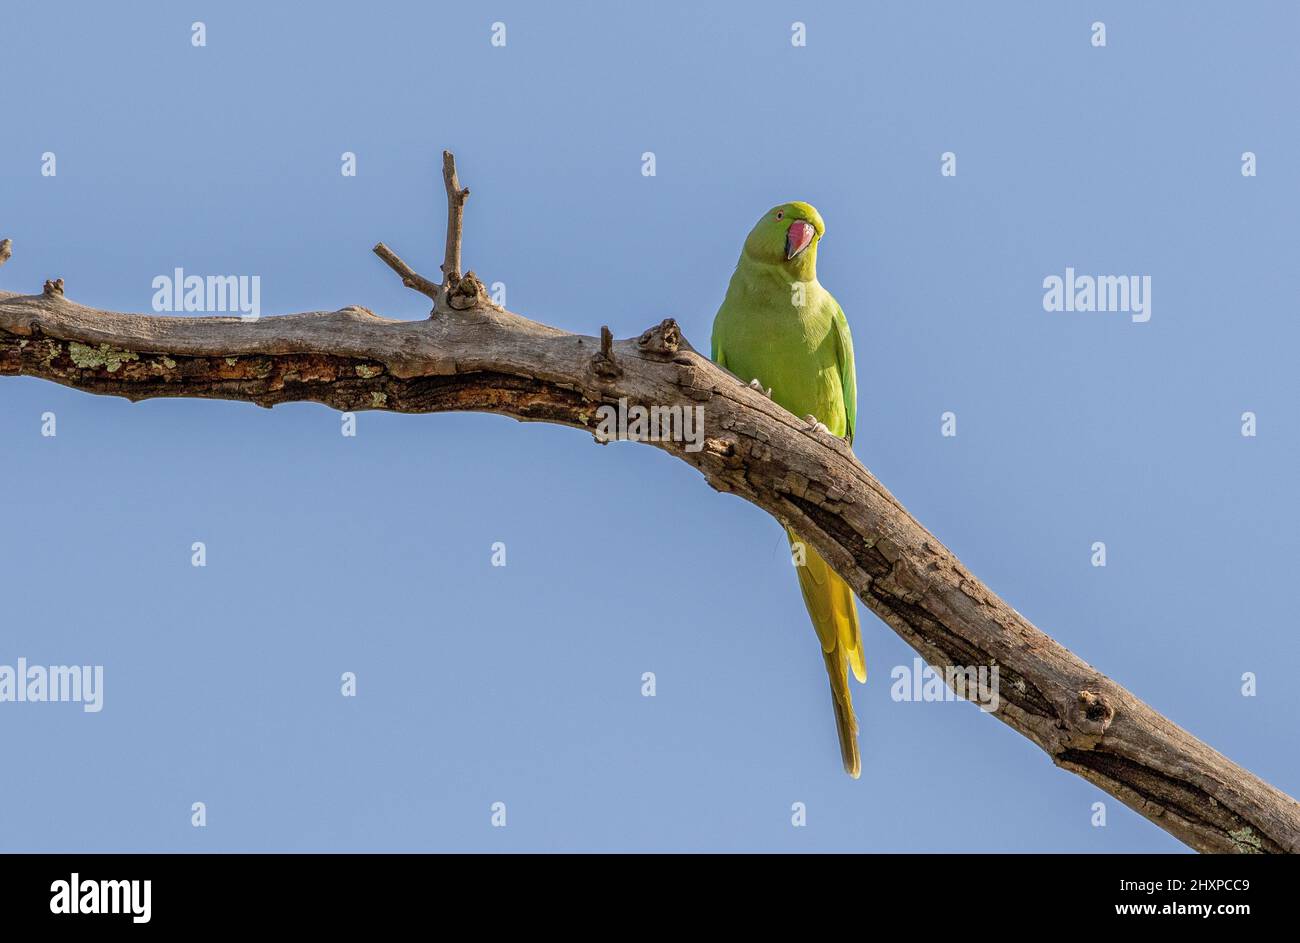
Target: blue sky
[(522, 684)]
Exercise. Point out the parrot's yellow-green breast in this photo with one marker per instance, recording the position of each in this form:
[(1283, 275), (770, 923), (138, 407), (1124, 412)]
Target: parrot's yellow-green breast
[(778, 325)]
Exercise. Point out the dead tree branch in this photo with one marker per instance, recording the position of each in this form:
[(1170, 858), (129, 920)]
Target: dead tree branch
[(472, 355), (410, 278), (455, 218)]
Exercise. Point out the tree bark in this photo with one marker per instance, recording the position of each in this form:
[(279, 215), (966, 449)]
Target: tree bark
[(473, 355)]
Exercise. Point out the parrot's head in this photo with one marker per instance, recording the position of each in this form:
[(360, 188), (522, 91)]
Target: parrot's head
[(787, 235)]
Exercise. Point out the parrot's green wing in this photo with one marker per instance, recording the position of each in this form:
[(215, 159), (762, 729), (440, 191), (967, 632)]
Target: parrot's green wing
[(848, 372)]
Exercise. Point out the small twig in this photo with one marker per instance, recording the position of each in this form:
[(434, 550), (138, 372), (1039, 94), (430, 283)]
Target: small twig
[(455, 220), (461, 292), (410, 278), (6, 250), (53, 287), (603, 363)]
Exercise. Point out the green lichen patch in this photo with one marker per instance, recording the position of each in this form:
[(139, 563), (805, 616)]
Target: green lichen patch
[(161, 364), (378, 399), (1248, 842), (367, 372), (92, 358)]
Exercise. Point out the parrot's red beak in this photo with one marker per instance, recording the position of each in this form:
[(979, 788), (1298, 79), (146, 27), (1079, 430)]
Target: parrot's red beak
[(797, 237)]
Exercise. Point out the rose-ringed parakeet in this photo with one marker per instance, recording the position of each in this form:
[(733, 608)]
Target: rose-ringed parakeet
[(778, 328)]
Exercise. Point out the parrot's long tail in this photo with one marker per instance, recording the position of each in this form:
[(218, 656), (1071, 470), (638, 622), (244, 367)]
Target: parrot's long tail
[(846, 724), (834, 613)]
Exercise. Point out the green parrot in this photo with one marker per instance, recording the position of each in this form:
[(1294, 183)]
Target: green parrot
[(778, 328)]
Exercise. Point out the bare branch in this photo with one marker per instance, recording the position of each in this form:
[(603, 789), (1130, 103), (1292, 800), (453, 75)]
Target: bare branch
[(482, 358), (461, 292), (6, 250), (455, 220), (410, 278)]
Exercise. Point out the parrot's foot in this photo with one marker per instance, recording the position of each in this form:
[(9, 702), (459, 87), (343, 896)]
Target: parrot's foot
[(814, 425), (756, 385)]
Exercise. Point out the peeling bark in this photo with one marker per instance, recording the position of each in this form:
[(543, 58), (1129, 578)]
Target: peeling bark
[(472, 355)]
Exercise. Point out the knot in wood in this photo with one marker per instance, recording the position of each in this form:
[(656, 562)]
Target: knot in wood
[(1096, 710), (466, 292), (720, 447), (1089, 721), (664, 338)]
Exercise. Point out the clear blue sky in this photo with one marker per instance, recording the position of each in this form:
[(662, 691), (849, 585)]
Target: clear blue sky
[(522, 684)]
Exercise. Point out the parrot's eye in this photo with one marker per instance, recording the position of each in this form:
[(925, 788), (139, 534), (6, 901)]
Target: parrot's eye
[(780, 214)]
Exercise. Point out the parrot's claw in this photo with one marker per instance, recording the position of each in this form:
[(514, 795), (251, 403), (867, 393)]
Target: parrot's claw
[(815, 426), (756, 385)]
